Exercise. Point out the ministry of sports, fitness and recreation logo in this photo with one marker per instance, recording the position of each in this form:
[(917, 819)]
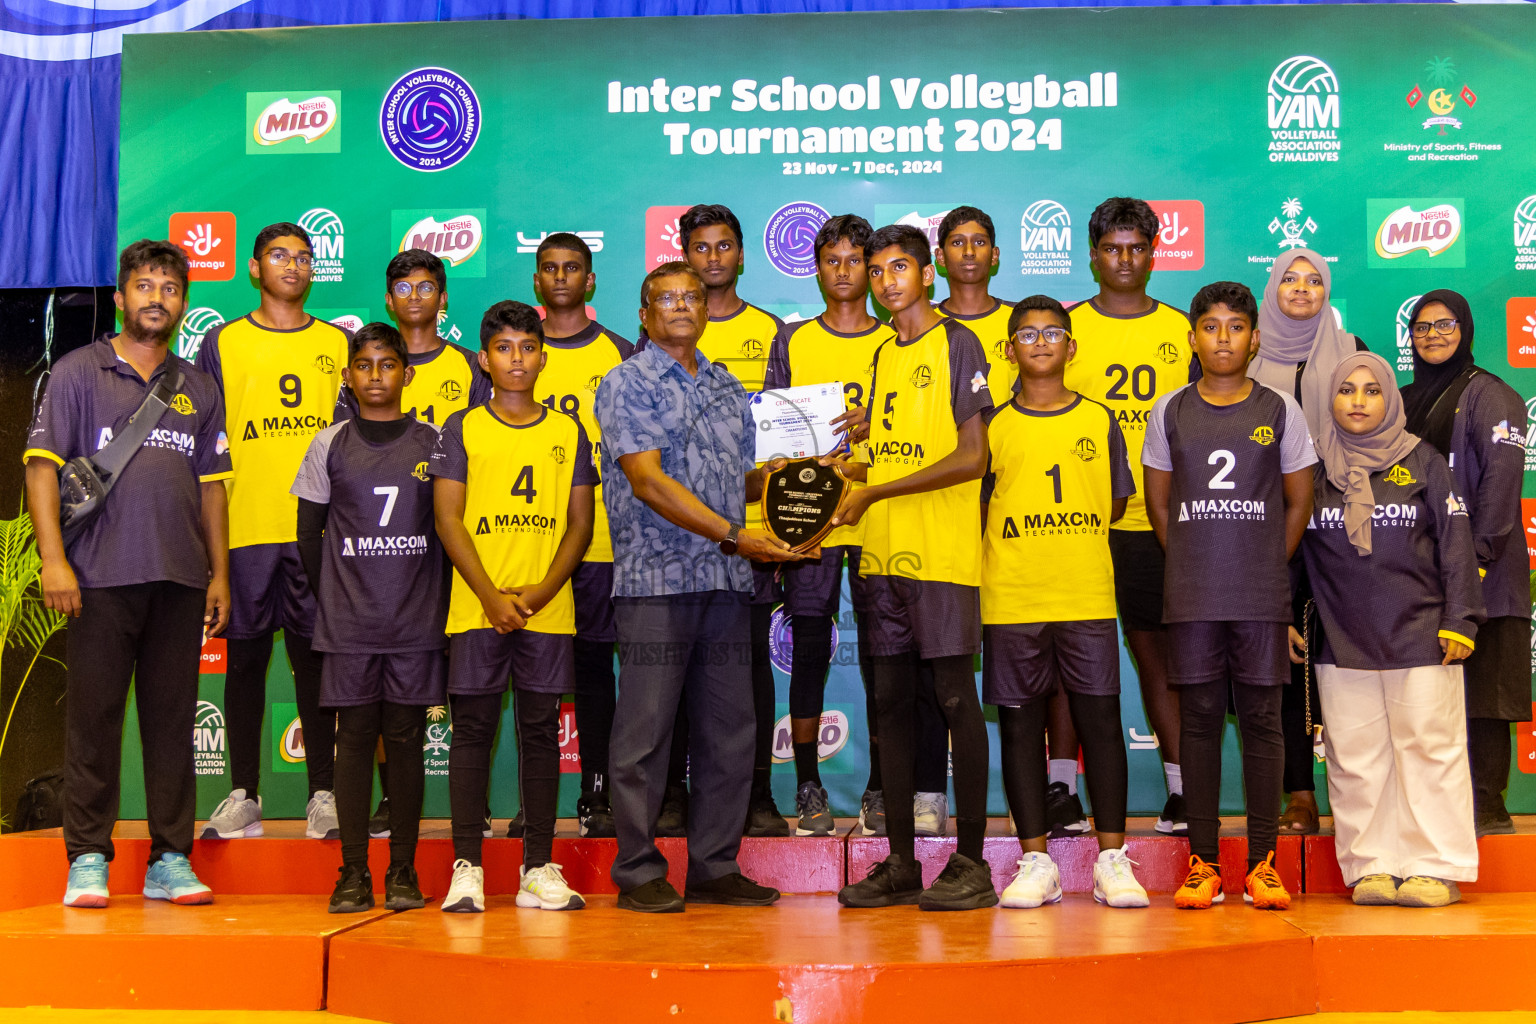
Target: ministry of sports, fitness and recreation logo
[(1303, 111), (198, 322), (1262, 436), (1085, 449), (209, 745), (457, 238), (1525, 234), (1400, 476), (527, 243), (831, 736), (781, 640), (1293, 230), (437, 740), (789, 238), (292, 122), (1404, 332), (1441, 74), (430, 119), (1045, 239), (1416, 233), (1520, 326), (329, 244)]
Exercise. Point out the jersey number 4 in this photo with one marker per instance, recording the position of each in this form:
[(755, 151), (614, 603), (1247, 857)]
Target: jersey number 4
[(522, 487)]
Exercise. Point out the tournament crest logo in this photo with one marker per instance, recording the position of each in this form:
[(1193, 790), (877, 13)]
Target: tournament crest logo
[(325, 364), (197, 322), (1045, 238), (1441, 74), (1263, 436), (183, 405), (1303, 111), (1400, 476), (430, 119), (420, 472), (557, 453), (781, 640), (451, 391), (789, 238), (1085, 449), (922, 376)]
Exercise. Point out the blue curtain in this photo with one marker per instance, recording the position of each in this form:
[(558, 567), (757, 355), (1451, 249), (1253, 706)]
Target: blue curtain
[(60, 75)]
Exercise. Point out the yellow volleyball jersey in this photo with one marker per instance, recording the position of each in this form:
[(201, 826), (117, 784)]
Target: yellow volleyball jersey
[(517, 489), (445, 382), (1128, 363), (810, 352), (921, 391), (992, 331), (740, 343), (1052, 480), (280, 390), (573, 369)]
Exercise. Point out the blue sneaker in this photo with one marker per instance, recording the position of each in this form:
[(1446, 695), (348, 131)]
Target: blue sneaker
[(171, 878), (87, 881)]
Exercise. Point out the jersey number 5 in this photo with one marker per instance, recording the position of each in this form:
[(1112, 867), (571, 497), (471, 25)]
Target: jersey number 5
[(889, 410)]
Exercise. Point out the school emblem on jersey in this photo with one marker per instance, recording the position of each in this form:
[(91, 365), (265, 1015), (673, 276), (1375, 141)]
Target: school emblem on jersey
[(752, 349), (558, 454), (451, 391), (420, 472), (1000, 350), (1168, 352), (183, 405), (1085, 449), (1262, 436), (325, 364), (1400, 476), (593, 381), (922, 376)]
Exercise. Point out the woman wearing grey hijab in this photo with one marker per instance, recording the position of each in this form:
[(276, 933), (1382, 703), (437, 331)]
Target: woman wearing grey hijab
[(1300, 342), (1389, 553)]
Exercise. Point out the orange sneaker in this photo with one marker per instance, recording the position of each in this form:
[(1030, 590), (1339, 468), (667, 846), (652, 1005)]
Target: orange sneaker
[(1264, 888), (1201, 887)]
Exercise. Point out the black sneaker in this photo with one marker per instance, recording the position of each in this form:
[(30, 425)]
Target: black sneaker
[(402, 890), (964, 884), (514, 827), (353, 893), (872, 813), (1064, 812), (890, 883), (1173, 821), (654, 897), (673, 820), (763, 817), (378, 825), (811, 807), (732, 890), (1493, 823), (594, 816)]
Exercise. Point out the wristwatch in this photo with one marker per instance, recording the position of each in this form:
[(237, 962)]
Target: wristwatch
[(728, 545)]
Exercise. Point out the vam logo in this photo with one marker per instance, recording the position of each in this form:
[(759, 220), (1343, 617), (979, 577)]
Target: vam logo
[(1412, 232), (197, 322), (1303, 111), (208, 739), (1525, 234), (1405, 334), (1045, 239), (327, 236), (457, 238), (280, 123)]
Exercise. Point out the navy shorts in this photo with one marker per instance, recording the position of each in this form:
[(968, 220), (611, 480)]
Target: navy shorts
[(410, 677), (766, 588), (592, 592), (1253, 653), (1139, 564), (269, 591), (483, 661), (923, 617), (1025, 662), (816, 588)]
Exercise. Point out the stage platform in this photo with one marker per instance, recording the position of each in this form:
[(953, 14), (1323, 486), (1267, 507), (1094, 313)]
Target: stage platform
[(803, 960)]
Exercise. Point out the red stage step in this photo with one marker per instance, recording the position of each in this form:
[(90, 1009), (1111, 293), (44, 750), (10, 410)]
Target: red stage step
[(144, 954)]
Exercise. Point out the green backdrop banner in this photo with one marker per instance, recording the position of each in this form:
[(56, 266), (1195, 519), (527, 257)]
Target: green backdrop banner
[(1395, 140)]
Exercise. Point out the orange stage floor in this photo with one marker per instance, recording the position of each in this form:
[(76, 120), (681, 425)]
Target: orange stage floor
[(803, 960)]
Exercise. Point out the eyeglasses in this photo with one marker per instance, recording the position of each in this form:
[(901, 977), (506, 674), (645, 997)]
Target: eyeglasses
[(1446, 326), (282, 257), (1052, 335), (677, 300), (424, 289)]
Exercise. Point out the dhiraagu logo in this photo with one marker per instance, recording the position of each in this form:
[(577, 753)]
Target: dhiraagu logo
[(1408, 233), (292, 122)]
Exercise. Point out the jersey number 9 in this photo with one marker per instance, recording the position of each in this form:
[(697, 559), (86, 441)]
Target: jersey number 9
[(292, 389)]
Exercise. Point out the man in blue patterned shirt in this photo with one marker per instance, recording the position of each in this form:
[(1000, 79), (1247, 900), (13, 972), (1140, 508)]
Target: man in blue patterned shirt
[(681, 431)]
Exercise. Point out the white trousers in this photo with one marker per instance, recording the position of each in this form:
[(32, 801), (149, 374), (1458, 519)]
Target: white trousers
[(1398, 778)]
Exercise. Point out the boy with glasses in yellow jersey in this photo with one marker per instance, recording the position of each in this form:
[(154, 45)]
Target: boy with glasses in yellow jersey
[(579, 352), (1057, 479)]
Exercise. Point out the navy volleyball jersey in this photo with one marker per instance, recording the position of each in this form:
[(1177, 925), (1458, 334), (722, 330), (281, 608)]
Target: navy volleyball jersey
[(383, 579), (1226, 504)]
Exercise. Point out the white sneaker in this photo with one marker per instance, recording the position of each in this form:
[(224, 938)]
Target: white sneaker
[(466, 893), (930, 814), (544, 888), (1114, 884), (1037, 882), (235, 818), (321, 812)]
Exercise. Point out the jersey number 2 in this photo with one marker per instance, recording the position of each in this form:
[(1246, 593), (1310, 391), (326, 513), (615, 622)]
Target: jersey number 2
[(1228, 461)]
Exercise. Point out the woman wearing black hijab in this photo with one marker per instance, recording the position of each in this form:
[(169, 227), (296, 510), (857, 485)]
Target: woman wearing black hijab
[(1478, 423)]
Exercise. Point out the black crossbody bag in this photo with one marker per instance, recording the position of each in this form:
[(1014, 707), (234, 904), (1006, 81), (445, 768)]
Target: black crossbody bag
[(85, 481)]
